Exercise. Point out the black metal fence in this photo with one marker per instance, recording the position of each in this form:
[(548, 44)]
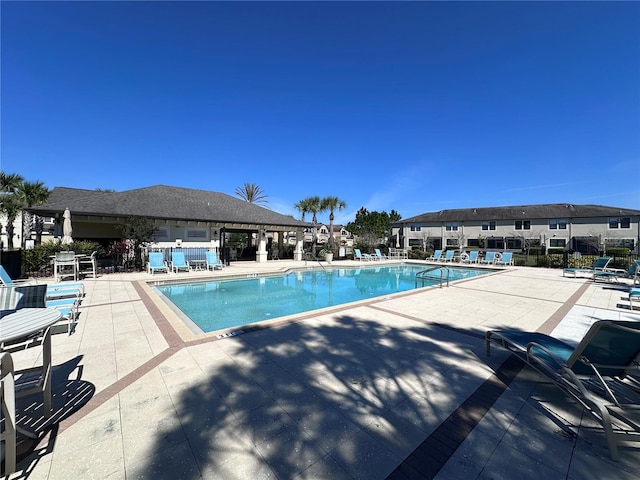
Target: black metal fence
[(123, 259)]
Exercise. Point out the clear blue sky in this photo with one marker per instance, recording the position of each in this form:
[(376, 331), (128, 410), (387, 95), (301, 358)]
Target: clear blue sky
[(411, 106)]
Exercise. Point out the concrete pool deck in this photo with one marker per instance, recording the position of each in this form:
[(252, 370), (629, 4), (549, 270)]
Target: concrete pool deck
[(396, 387)]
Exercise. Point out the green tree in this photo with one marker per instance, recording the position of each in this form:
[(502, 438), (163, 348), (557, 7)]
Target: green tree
[(140, 231), (252, 193), (373, 227), (332, 204)]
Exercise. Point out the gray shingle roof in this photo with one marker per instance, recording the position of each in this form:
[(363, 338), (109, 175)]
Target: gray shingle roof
[(526, 212), (163, 202)]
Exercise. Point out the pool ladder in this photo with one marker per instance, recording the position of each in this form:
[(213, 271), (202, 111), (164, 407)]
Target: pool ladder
[(309, 255), (424, 274)]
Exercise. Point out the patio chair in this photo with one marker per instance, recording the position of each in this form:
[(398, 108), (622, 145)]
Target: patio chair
[(592, 372), (212, 261), (437, 255), (448, 256), (489, 258), (8, 414), (505, 259), (65, 265), (88, 265), (616, 274), (600, 264), (358, 255), (178, 262), (379, 255), (156, 262)]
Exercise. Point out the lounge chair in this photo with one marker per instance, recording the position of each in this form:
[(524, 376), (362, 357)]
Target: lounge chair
[(156, 263), (616, 274), (212, 261), (56, 290), (634, 294), (592, 372), (437, 255), (379, 255), (448, 256), (473, 257), (600, 264), (358, 255), (489, 258), (505, 259), (178, 262)]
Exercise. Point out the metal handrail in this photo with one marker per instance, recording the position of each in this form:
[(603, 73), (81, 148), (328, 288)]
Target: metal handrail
[(423, 274), (314, 258)]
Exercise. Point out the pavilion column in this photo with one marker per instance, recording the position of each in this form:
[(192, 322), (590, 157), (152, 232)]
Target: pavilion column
[(297, 253), (261, 254)]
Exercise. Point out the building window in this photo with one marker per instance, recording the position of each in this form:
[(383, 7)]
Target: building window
[(451, 226), (558, 224), (473, 242), (620, 222), (415, 228), (488, 225), (415, 242), (495, 243), (523, 225), (161, 233), (514, 243), (196, 233), (557, 242)]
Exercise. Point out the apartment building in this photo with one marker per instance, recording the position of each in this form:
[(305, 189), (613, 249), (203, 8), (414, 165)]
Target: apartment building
[(582, 228)]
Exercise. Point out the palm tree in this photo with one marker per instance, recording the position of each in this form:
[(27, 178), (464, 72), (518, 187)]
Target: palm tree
[(314, 205), (9, 204), (332, 204), (252, 193), (303, 207), (30, 194)]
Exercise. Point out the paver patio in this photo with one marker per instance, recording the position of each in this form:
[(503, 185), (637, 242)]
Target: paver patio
[(396, 387)]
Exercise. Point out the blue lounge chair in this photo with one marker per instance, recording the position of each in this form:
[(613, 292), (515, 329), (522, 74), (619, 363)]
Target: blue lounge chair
[(212, 261), (489, 258), (473, 256), (600, 264), (505, 259), (358, 255), (178, 262), (634, 293), (437, 255), (616, 274), (448, 256), (592, 372), (56, 290), (379, 255), (156, 262)]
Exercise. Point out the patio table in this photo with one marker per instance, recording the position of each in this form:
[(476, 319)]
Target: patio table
[(197, 264), (23, 324)]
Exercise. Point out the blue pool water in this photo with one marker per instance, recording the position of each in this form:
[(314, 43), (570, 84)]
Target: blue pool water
[(224, 304)]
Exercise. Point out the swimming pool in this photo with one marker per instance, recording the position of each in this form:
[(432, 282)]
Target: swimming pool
[(207, 306)]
